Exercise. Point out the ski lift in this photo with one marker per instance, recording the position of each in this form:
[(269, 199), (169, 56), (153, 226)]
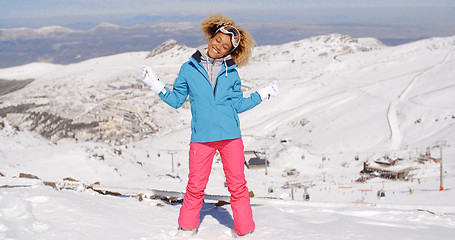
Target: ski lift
[(381, 194), (306, 197)]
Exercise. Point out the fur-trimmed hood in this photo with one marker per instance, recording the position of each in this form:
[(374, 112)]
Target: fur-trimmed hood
[(242, 53)]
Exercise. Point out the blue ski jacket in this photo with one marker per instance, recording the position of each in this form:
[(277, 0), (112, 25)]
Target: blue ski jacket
[(214, 109)]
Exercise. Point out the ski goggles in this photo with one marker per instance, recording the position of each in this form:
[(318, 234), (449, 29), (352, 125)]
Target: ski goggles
[(235, 35)]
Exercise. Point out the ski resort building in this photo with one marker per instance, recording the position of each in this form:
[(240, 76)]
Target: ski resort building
[(258, 161), (388, 172)]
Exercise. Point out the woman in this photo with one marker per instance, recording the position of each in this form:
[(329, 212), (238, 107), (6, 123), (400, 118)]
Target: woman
[(212, 83)]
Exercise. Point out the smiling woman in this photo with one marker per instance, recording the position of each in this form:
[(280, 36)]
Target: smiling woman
[(212, 26), (212, 84), (219, 46)]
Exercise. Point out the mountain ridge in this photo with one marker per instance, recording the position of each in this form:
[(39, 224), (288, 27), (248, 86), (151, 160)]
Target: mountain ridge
[(325, 71)]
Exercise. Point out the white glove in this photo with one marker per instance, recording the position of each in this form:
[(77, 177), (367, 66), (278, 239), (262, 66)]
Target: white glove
[(149, 77), (270, 90)]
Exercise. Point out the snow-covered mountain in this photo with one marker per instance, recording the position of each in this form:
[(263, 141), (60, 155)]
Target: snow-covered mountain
[(342, 102), (334, 87)]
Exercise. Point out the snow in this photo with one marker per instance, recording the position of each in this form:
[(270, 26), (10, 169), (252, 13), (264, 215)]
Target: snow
[(43, 213), (34, 70), (339, 98)]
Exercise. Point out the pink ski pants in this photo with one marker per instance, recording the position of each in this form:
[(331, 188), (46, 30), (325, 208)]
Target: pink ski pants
[(200, 163)]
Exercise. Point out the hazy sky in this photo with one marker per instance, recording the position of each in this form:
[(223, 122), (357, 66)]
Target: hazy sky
[(35, 8), (23, 9), (411, 19)]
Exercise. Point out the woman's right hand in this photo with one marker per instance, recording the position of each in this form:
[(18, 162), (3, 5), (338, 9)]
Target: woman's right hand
[(149, 77)]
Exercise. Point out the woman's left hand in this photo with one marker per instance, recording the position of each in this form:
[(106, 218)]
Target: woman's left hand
[(270, 91)]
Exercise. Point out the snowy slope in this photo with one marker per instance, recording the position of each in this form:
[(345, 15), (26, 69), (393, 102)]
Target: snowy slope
[(43, 213), (340, 98)]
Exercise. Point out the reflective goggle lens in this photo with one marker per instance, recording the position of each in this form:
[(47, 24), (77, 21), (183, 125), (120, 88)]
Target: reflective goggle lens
[(235, 35)]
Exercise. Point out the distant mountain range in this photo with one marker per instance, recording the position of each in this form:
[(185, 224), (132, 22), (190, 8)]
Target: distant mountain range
[(62, 45)]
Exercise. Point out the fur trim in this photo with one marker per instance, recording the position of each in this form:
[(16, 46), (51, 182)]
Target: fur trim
[(242, 53)]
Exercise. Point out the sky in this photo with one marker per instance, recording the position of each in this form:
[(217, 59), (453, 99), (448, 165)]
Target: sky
[(111, 9), (382, 19), (35, 8)]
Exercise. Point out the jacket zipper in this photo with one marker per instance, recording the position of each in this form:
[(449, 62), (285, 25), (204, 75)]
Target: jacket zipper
[(216, 82), (214, 89)]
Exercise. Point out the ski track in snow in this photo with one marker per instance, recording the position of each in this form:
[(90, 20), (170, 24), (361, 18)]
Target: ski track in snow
[(288, 114), (432, 91), (396, 137)]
